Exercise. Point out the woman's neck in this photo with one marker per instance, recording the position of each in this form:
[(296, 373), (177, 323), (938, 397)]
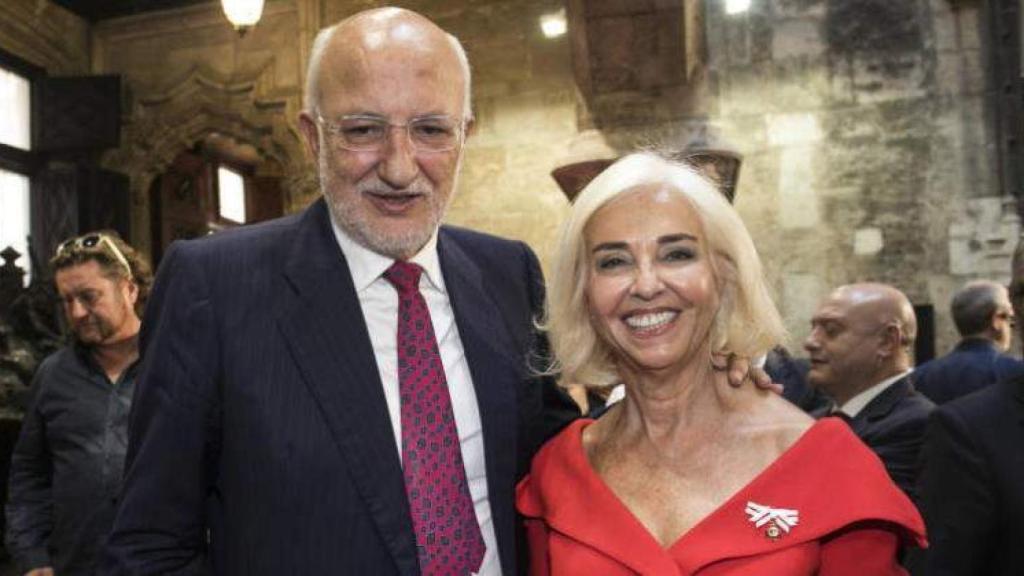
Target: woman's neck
[(663, 407)]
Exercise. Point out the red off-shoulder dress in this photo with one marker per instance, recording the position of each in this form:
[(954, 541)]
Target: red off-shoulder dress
[(825, 506)]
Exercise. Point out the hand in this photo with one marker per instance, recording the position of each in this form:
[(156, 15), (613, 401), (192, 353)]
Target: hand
[(740, 369), (44, 571)]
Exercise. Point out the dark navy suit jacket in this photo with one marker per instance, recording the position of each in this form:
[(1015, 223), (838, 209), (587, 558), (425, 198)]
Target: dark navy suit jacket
[(260, 439), (972, 486), (893, 426), (972, 365)]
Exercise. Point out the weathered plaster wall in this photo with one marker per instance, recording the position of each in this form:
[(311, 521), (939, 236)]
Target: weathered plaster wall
[(187, 74), (865, 124), (868, 147)]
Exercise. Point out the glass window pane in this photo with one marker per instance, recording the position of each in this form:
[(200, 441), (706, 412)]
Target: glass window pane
[(231, 194), (14, 217), (15, 110)]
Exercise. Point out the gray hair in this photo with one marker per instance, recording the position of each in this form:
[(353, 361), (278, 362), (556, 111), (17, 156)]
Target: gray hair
[(974, 305)]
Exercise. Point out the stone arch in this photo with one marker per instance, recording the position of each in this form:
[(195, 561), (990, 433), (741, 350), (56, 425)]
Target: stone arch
[(159, 124)]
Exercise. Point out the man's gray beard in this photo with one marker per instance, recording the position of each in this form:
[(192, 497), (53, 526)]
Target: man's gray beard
[(399, 246)]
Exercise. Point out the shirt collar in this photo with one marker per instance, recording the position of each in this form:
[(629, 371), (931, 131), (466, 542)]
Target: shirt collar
[(366, 266), (854, 405)]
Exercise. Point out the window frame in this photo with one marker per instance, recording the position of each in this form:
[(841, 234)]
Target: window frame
[(14, 159), (216, 160), (26, 163)]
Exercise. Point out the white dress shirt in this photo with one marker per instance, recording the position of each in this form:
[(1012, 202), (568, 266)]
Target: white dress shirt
[(379, 302), (854, 405)]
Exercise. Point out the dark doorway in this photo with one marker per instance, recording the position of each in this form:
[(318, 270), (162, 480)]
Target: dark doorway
[(185, 199)]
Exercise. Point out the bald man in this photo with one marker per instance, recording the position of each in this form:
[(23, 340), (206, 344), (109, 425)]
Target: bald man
[(346, 390), (859, 348)]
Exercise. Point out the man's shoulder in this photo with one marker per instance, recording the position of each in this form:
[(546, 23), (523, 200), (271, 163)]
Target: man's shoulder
[(469, 239), (979, 406), (67, 355), (912, 400), (961, 354), (493, 254), (902, 403), (249, 239), (63, 359)]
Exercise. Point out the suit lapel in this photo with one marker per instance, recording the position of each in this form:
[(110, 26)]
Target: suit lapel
[(883, 404), (496, 372), (323, 326)]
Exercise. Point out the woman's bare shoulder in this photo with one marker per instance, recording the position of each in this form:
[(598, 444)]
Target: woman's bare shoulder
[(773, 420)]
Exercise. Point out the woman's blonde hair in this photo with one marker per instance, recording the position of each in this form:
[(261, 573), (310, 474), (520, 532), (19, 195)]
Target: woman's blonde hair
[(746, 324)]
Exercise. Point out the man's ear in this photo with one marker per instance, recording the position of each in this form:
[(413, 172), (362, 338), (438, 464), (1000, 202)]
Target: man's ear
[(310, 134), (470, 126), (131, 292), (891, 340)]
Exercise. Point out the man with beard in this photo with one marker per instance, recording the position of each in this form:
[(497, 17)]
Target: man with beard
[(346, 390), (859, 347), (67, 464)]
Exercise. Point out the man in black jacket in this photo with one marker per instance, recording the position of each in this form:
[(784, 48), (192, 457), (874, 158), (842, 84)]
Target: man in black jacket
[(984, 318), (67, 464), (972, 484), (859, 348)]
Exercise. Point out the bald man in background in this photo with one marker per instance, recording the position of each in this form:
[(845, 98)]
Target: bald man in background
[(860, 354)]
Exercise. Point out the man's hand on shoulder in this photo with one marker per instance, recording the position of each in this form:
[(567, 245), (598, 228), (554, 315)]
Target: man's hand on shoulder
[(741, 370)]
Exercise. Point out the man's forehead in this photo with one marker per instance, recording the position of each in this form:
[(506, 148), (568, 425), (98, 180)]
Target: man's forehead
[(834, 307), (78, 275), (389, 74), (364, 44)]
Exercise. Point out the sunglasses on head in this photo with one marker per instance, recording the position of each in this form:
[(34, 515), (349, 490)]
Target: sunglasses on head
[(95, 242)]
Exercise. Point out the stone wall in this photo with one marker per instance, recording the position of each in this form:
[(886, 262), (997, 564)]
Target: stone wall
[(868, 142), (866, 125), (188, 74)]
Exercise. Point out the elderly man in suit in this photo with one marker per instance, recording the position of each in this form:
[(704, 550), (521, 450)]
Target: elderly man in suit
[(347, 390), (984, 318), (859, 348), (972, 484)]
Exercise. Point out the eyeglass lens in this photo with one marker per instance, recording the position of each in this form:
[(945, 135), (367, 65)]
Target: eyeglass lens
[(367, 133)]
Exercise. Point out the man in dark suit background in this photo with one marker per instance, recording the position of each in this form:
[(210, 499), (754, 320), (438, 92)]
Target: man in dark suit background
[(859, 347), (984, 318), (972, 484), (269, 434)]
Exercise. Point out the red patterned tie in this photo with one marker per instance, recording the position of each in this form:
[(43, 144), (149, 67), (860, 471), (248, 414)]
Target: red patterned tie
[(448, 537)]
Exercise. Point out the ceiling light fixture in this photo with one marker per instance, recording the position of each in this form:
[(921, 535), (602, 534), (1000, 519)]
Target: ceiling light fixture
[(243, 14), (553, 25), (736, 6)]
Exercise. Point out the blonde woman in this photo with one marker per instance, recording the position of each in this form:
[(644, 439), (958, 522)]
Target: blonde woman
[(657, 276)]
